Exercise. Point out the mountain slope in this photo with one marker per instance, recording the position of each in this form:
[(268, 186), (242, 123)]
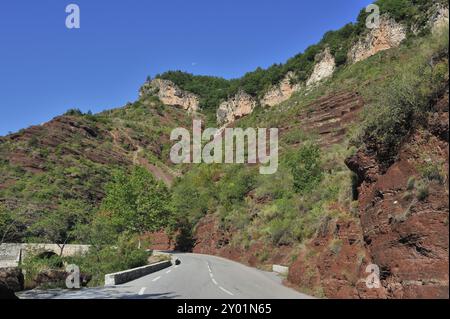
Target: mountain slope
[(71, 157)]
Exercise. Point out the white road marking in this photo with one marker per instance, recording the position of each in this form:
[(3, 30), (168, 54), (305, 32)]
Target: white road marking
[(168, 271), (141, 292), (226, 291), (157, 278), (215, 282)]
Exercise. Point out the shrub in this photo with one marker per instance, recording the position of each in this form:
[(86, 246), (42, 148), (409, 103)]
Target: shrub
[(277, 229), (432, 172), (104, 259), (235, 184), (37, 263), (33, 142), (74, 112), (422, 191), (335, 246), (275, 186), (411, 183), (407, 195)]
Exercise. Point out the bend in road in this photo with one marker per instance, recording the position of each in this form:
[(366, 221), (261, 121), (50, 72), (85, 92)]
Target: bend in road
[(197, 277)]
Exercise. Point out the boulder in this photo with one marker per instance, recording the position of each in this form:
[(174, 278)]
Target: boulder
[(12, 278)]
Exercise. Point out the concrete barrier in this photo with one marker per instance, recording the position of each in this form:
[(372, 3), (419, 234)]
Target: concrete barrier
[(283, 270), (10, 255), (131, 274)]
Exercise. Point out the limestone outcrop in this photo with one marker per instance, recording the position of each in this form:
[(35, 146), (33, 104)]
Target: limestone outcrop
[(239, 105), (439, 18), (243, 104), (170, 94), (323, 69), (280, 92), (388, 35)]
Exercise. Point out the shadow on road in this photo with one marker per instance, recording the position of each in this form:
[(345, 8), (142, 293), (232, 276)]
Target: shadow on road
[(122, 292)]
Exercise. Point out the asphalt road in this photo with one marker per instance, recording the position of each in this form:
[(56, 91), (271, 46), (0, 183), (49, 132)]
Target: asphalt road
[(197, 277)]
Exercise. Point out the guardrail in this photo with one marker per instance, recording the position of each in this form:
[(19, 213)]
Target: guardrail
[(282, 270), (131, 274)]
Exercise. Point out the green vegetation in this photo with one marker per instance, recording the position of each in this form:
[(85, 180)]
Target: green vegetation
[(335, 246), (9, 225), (422, 191), (58, 225), (305, 168), (212, 90), (411, 183), (283, 209), (433, 172), (134, 203), (36, 264), (100, 260), (137, 202), (410, 12), (104, 258), (400, 104)]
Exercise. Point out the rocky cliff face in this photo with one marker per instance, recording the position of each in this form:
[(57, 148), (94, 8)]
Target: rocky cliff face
[(405, 225), (243, 104), (239, 105), (323, 69), (401, 224), (171, 94), (281, 92), (212, 239), (329, 118), (439, 18), (388, 35)]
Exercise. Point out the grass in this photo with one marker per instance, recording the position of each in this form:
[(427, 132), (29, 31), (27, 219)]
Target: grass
[(411, 183), (335, 246)]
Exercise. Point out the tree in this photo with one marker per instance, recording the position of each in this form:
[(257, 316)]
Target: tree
[(58, 226), (305, 168), (137, 202), (8, 225)]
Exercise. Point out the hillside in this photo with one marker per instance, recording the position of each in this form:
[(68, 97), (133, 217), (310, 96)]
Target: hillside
[(363, 175), (69, 160)]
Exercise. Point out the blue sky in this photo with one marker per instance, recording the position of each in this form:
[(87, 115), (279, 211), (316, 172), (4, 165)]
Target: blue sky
[(46, 68)]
